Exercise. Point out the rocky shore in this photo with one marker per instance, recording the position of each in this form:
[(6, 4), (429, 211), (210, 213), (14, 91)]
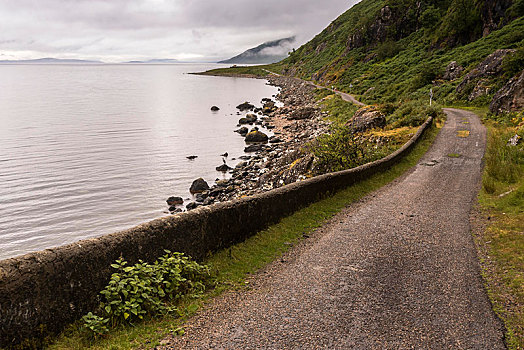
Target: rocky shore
[(268, 162)]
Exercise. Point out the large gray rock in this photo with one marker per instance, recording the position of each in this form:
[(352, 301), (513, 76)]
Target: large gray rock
[(199, 186), (453, 71), (256, 136), (481, 89), (510, 97), (302, 113), (367, 117), (492, 65)]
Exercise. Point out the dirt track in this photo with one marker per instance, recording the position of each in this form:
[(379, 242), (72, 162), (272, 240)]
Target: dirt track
[(396, 271)]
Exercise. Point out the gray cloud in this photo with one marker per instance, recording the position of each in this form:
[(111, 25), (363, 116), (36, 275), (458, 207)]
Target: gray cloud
[(115, 30)]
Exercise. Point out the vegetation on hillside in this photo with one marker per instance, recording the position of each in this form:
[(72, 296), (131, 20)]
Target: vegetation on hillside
[(400, 54)]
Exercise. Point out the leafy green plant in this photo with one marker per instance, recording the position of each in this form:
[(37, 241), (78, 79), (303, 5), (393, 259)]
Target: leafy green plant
[(343, 149), (413, 113), (95, 325), (146, 289)]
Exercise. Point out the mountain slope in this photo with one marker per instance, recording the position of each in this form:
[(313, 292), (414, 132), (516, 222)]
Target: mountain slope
[(268, 52), (386, 50)]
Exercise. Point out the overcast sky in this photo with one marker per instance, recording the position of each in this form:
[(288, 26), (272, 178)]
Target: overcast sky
[(190, 30)]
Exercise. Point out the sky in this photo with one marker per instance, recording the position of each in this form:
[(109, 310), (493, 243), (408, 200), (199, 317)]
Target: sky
[(187, 30)]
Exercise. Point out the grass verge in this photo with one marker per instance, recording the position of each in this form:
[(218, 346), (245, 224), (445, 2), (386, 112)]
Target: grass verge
[(233, 266), (239, 71), (501, 243)]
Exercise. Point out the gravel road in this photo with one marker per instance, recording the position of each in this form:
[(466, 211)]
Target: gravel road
[(397, 270)]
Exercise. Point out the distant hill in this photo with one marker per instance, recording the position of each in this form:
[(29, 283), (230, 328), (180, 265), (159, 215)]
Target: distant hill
[(268, 52), (48, 60), (155, 61)]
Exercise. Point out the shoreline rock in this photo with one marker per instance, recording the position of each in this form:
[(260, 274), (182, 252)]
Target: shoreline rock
[(273, 161), (198, 186)]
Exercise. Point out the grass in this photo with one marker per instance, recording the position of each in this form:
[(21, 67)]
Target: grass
[(239, 71), (502, 243), (339, 111), (233, 266)]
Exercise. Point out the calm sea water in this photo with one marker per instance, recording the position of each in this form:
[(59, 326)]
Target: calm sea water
[(87, 150)]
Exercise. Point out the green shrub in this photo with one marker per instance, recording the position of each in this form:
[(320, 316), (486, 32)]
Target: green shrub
[(413, 113), (146, 289), (514, 63), (343, 149), (388, 49), (426, 74), (95, 325)]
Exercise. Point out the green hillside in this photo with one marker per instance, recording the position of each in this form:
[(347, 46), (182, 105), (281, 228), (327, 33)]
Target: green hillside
[(386, 50)]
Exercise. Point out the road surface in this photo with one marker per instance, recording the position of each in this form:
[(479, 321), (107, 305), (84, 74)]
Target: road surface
[(397, 270)]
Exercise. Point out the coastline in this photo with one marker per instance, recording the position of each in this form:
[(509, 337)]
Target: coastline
[(283, 159)]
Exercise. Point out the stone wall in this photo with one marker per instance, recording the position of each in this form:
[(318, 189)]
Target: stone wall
[(42, 292)]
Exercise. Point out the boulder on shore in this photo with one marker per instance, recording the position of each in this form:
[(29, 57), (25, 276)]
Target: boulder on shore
[(302, 113), (246, 106), (215, 108), (193, 205), (248, 119), (256, 136), (223, 168), (199, 186), (367, 117), (242, 131), (174, 200)]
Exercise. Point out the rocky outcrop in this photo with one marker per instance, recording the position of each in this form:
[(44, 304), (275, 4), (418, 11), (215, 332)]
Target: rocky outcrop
[(482, 88), (510, 97), (366, 118), (492, 65), (376, 32), (493, 13), (453, 71), (198, 186)]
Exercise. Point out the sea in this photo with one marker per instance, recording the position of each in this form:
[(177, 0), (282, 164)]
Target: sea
[(87, 150)]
